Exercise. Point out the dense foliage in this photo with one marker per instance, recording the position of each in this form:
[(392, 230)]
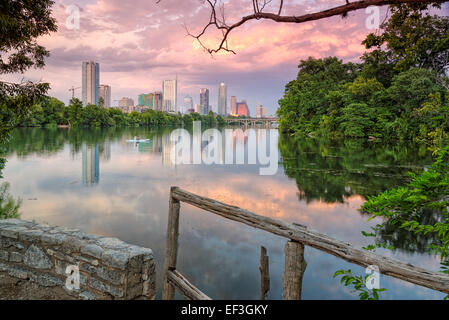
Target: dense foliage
[(51, 112), (398, 91), (9, 207), (21, 23), (409, 207)]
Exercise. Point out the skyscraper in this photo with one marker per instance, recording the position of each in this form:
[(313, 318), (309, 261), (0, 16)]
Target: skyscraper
[(126, 104), (233, 106), (157, 102), (188, 104), (170, 95), (261, 111), (91, 83), (105, 93), (146, 100), (222, 99), (242, 109), (204, 101)]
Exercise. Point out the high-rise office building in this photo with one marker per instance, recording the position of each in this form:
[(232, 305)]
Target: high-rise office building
[(126, 102), (170, 95), (146, 100), (261, 111), (188, 104), (91, 82), (105, 93), (222, 100), (204, 101), (197, 108), (242, 109), (157, 102), (233, 106)]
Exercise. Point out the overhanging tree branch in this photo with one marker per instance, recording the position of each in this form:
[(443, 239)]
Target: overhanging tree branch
[(258, 14)]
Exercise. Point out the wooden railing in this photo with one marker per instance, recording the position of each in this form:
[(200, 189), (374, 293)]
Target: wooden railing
[(299, 236)]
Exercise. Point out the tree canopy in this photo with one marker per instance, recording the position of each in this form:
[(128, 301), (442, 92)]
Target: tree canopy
[(21, 23), (398, 90)]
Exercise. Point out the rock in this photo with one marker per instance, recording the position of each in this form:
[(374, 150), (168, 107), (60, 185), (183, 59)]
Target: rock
[(92, 250), (36, 258), (18, 273), (116, 259), (86, 295), (113, 276), (15, 257), (30, 235), (4, 255)]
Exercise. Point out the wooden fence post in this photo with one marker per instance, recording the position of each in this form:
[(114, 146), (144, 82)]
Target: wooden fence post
[(171, 249), (295, 265), (264, 273)]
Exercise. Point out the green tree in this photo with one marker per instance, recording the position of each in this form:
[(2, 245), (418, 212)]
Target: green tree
[(101, 102), (74, 111), (9, 207), (306, 99), (411, 37), (357, 120), (21, 23), (405, 206)]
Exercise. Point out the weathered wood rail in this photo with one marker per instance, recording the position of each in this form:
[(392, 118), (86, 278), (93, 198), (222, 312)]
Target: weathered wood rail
[(299, 236)]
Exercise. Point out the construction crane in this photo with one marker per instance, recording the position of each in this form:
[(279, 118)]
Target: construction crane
[(73, 91)]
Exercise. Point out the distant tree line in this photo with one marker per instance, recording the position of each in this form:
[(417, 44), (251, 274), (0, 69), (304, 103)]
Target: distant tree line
[(50, 112)]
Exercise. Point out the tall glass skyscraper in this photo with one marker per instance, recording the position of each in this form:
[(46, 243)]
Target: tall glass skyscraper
[(170, 95), (91, 82), (105, 93), (204, 101), (233, 106), (188, 104), (222, 99)]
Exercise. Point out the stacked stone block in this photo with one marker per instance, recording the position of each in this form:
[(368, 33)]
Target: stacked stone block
[(108, 267)]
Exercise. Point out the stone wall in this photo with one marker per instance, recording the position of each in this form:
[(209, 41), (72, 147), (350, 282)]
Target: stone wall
[(34, 260)]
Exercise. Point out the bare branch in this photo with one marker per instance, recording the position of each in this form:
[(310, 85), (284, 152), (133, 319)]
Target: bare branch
[(277, 17), (280, 7)]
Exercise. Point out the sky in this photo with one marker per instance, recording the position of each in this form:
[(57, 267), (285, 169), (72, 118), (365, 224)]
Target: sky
[(140, 43)]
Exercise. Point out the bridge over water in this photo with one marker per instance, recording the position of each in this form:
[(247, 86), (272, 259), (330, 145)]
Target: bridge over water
[(267, 122)]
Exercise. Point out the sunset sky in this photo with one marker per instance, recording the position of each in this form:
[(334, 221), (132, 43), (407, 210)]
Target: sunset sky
[(140, 43)]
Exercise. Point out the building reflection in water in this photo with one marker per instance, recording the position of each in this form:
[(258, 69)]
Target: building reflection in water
[(91, 164)]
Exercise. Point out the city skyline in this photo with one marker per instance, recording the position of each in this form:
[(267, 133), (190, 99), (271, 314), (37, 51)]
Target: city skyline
[(91, 90)]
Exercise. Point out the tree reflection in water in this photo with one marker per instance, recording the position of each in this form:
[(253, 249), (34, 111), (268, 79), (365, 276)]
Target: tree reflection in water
[(333, 170)]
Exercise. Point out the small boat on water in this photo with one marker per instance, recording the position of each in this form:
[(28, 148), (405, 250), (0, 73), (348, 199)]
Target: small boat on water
[(137, 140)]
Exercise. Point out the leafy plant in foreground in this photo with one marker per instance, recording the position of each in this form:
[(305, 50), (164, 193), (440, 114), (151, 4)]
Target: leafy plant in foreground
[(9, 207)]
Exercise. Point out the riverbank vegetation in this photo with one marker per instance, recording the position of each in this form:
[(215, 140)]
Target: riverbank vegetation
[(50, 112), (398, 91), (9, 207)]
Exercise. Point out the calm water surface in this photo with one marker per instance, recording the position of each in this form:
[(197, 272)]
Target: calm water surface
[(96, 181)]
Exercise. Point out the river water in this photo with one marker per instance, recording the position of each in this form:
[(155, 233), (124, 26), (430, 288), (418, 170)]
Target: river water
[(97, 181)]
